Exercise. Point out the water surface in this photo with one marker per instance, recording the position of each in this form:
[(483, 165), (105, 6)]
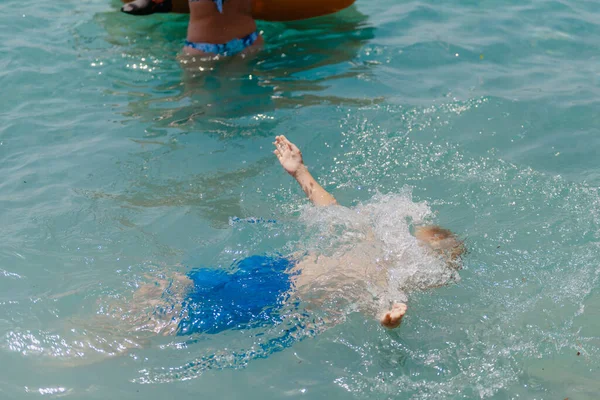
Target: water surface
[(117, 164)]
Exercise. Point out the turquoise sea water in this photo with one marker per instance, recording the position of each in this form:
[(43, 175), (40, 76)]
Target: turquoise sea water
[(117, 165)]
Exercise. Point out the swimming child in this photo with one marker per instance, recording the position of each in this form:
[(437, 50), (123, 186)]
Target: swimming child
[(215, 300), (216, 27)]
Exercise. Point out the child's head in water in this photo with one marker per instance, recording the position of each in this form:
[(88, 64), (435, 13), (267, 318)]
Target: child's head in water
[(441, 240)]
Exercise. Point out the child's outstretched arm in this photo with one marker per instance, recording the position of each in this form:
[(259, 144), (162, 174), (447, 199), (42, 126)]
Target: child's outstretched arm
[(290, 157)]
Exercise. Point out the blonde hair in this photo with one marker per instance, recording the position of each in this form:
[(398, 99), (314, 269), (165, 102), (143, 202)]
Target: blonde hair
[(443, 241)]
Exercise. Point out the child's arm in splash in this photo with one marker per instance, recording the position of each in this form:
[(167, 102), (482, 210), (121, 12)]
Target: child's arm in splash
[(290, 157)]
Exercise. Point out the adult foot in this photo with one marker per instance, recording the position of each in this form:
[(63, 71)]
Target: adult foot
[(146, 7), (392, 318)]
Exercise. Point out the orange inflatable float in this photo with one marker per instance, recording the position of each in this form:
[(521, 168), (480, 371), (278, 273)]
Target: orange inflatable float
[(290, 10), (279, 10)]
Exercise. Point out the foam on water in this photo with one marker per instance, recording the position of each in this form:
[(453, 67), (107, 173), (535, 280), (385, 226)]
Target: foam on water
[(387, 220), (504, 270)]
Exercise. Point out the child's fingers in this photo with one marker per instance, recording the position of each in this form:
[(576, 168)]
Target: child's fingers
[(290, 145)]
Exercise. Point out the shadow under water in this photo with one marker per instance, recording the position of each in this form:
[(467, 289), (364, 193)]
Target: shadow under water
[(302, 64)]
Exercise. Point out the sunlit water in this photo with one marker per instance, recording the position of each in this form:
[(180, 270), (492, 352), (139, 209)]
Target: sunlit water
[(118, 166)]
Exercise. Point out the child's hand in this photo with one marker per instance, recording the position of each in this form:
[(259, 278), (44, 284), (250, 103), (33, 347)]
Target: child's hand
[(288, 155)]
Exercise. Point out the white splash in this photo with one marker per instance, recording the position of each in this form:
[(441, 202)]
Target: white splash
[(387, 220)]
